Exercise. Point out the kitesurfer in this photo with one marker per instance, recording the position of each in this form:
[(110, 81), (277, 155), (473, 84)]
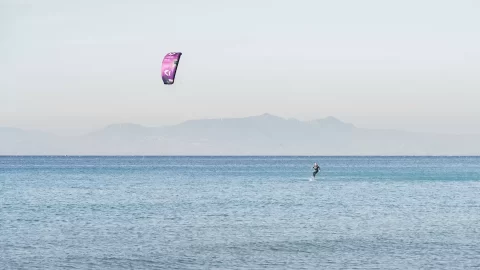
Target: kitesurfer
[(316, 168)]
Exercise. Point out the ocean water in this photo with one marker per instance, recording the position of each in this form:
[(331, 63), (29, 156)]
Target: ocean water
[(239, 213)]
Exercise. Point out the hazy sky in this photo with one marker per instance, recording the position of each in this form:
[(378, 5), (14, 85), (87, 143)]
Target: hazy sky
[(409, 64)]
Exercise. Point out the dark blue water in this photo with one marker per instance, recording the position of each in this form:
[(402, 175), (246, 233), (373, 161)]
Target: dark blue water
[(239, 213)]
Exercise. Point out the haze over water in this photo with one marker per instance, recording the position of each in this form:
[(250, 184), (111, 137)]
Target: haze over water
[(239, 213)]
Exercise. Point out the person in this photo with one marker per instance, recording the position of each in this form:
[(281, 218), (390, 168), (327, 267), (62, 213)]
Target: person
[(315, 169)]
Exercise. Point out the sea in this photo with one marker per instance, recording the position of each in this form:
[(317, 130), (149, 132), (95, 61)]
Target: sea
[(245, 212)]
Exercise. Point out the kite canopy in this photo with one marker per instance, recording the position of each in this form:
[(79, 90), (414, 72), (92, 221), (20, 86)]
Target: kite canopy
[(169, 67)]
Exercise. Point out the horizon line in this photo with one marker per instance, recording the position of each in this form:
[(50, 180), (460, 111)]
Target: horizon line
[(58, 155)]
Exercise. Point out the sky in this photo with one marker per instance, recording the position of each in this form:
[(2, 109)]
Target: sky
[(71, 66)]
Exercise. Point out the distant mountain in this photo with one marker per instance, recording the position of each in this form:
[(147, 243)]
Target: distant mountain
[(256, 135)]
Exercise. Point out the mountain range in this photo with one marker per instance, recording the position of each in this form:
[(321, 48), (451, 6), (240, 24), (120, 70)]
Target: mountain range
[(256, 135)]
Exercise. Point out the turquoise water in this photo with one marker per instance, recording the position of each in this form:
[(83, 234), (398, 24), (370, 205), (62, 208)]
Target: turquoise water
[(239, 213)]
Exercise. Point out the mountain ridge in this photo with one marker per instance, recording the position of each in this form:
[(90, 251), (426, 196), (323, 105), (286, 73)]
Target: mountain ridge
[(264, 134)]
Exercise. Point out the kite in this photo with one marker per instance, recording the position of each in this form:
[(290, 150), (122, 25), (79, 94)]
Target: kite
[(169, 67)]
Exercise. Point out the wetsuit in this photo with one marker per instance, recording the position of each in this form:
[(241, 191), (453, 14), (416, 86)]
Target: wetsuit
[(315, 170)]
